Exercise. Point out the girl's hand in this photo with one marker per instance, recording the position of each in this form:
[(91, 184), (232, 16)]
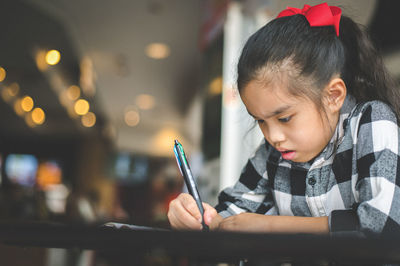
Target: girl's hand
[(184, 214), (248, 222)]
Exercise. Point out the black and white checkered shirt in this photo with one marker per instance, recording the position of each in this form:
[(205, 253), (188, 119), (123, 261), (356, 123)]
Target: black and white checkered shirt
[(354, 181)]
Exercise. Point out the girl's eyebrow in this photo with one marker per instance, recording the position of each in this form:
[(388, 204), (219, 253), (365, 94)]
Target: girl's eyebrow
[(278, 111)]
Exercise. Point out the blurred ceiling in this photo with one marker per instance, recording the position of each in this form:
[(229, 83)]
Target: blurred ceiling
[(24, 30), (112, 37)]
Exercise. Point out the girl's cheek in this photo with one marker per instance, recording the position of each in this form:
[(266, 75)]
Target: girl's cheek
[(298, 135)]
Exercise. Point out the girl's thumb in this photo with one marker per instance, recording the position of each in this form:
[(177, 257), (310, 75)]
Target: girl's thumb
[(209, 215)]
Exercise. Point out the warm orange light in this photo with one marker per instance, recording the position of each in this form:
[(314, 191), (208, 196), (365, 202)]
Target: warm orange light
[(89, 119), (48, 174), (2, 74), (73, 92), (157, 50), (27, 103), (215, 87), (53, 57), (132, 118), (81, 107), (145, 101), (38, 116)]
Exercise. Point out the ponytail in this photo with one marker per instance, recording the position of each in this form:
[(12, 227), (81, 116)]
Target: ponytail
[(364, 73)]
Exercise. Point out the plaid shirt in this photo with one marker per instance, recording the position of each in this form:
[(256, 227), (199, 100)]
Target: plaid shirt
[(354, 180)]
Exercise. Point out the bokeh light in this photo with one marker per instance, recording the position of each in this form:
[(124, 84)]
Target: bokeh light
[(53, 57), (132, 118), (2, 74), (73, 92), (215, 87), (38, 116), (81, 107), (145, 101), (157, 50), (88, 120), (27, 103)]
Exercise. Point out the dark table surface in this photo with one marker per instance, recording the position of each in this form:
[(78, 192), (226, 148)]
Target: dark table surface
[(213, 246)]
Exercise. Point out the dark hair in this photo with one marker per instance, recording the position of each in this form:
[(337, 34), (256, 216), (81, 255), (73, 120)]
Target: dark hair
[(311, 56)]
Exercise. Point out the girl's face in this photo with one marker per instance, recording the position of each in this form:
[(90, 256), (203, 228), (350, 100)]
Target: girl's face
[(292, 125)]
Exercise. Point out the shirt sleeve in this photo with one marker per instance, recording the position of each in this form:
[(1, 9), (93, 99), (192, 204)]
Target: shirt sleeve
[(376, 184), (251, 193)]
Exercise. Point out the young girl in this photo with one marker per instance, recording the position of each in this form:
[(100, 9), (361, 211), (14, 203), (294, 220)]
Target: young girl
[(328, 111)]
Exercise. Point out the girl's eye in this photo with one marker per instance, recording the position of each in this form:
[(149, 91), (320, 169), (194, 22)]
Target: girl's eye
[(285, 119), (260, 121)]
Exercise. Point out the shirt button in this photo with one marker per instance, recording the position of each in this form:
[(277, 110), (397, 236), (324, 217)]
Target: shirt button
[(311, 181)]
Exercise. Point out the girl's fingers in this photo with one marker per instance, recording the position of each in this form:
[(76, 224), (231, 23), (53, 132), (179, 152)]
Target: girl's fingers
[(177, 223), (189, 214), (209, 213), (181, 214), (190, 205), (184, 214)]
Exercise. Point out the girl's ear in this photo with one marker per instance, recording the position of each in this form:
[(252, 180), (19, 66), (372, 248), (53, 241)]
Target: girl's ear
[(335, 94)]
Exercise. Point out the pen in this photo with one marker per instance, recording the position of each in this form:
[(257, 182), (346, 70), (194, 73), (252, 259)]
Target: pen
[(189, 180)]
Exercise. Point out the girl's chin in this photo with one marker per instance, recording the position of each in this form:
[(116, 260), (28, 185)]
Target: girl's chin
[(303, 159)]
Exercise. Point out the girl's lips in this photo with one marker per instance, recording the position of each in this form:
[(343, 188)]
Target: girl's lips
[(288, 155)]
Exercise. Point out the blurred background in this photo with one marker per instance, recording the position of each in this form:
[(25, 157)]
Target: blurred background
[(93, 94)]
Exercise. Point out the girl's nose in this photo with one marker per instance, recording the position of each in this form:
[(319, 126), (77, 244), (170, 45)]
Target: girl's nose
[(274, 136)]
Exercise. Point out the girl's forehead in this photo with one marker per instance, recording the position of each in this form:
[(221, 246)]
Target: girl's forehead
[(285, 80), (266, 95), (271, 85), (270, 93)]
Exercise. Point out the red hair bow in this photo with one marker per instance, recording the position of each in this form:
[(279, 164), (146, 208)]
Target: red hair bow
[(319, 15)]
